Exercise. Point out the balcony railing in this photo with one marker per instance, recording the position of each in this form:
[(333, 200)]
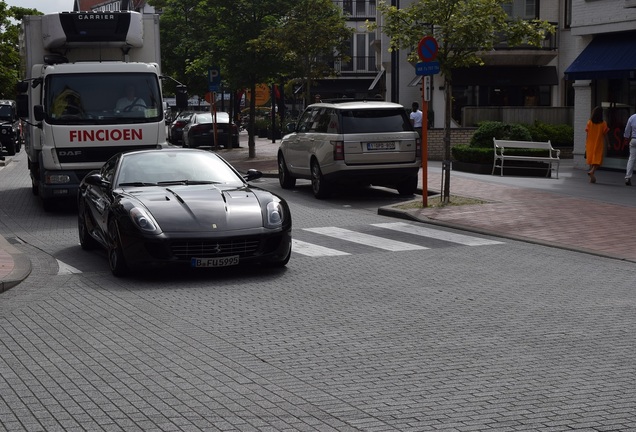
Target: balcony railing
[(550, 42), (358, 64), (357, 9)]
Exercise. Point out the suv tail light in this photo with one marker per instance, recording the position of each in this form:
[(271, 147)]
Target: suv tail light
[(338, 150)]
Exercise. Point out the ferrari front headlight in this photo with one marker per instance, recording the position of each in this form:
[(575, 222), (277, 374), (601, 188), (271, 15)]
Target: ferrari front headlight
[(143, 220), (275, 215)]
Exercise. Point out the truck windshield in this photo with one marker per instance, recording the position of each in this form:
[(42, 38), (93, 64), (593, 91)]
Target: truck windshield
[(102, 98)]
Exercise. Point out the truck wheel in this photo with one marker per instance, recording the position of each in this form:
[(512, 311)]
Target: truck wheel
[(48, 204), (10, 148)]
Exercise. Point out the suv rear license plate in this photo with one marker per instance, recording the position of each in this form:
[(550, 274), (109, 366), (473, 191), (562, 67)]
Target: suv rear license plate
[(215, 262), (381, 146)]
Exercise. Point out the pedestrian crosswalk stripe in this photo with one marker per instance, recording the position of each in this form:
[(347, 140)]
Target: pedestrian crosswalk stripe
[(437, 234), (365, 239), (313, 250)]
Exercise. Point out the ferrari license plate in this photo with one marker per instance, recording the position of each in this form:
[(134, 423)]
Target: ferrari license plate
[(215, 262), (381, 145)]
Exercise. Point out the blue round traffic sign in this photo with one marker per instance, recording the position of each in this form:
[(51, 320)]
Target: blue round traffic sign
[(427, 49)]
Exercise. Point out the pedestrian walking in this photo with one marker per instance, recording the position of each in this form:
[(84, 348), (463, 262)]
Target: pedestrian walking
[(630, 134), (416, 117), (596, 130)]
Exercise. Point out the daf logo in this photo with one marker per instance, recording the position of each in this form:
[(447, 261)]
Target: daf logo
[(69, 152)]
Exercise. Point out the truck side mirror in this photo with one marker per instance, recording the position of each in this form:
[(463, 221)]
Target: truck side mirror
[(22, 86), (182, 97), (22, 105), (38, 112)]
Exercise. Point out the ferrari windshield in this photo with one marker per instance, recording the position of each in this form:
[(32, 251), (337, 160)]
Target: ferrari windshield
[(175, 167), (103, 98)]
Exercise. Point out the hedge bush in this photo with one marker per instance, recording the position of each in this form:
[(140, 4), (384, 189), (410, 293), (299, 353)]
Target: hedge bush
[(480, 149), (486, 131), (560, 135)]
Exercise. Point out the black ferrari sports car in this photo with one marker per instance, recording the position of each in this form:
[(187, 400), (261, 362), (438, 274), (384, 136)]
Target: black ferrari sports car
[(181, 206)]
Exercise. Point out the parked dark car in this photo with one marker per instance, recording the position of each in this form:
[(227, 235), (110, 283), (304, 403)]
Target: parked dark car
[(175, 130), (181, 206), (10, 131), (199, 131)]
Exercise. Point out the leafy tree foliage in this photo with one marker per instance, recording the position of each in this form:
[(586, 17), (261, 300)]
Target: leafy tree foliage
[(311, 37), (464, 29), (226, 33), (10, 18), (181, 43), (252, 41)]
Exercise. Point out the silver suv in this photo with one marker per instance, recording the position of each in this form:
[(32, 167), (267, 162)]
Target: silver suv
[(345, 142)]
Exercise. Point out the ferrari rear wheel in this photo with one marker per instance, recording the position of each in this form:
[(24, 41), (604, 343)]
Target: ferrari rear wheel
[(116, 259)]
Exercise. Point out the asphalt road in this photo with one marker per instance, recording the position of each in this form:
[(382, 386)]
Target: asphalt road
[(369, 328)]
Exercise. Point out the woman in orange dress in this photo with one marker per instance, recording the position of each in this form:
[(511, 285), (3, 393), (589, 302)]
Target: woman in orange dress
[(596, 130)]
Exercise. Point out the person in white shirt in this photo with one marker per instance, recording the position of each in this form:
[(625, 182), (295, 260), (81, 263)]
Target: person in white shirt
[(130, 102), (630, 134), (416, 117)]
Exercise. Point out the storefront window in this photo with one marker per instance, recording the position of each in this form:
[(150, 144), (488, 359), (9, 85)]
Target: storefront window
[(617, 97)]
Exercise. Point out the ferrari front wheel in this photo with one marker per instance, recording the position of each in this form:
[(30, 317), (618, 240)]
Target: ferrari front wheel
[(116, 259)]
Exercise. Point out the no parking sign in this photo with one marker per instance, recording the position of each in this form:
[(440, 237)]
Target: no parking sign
[(427, 49)]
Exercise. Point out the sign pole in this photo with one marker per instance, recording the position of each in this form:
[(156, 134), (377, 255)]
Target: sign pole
[(214, 128), (424, 138)]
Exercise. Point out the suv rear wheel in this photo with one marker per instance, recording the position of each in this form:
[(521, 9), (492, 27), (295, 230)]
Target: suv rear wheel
[(319, 185), (408, 186)]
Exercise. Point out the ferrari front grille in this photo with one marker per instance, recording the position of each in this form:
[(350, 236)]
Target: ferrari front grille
[(244, 247)]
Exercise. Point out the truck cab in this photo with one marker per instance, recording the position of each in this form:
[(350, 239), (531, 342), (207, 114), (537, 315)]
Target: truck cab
[(91, 88)]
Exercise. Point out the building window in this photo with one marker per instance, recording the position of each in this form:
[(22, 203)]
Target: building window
[(524, 9)]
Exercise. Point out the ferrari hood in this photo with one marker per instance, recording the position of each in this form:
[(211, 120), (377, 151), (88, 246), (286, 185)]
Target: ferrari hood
[(201, 208)]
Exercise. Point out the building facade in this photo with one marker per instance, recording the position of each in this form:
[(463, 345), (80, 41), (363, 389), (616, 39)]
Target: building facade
[(361, 76), (520, 77), (590, 61), (600, 65)]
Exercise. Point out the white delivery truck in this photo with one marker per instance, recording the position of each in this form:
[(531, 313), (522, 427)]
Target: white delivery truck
[(91, 88)]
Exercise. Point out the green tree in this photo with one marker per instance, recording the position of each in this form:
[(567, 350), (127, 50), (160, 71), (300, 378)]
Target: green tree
[(181, 43), (10, 18), (311, 37), (463, 30), (224, 33), (246, 59)]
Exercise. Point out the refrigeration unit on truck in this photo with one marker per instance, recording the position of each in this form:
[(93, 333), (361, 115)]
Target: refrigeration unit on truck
[(91, 88)]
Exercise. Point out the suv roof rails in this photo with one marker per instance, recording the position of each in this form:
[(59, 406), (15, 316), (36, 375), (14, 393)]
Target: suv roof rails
[(343, 100)]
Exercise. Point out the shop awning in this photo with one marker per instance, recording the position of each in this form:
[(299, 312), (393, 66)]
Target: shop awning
[(503, 76), (608, 56)]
